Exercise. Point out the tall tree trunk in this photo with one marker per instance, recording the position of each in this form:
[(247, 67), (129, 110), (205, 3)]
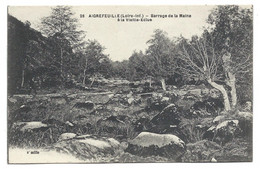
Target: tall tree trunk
[(84, 77), (223, 92), (163, 84), (150, 82), (22, 83), (233, 93), (85, 69), (232, 83), (61, 63), (230, 78), (93, 79)]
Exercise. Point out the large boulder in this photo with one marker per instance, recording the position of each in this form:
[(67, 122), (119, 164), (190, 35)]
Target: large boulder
[(88, 147), (151, 144), (170, 115), (223, 132), (30, 126)]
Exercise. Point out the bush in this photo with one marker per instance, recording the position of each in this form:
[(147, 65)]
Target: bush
[(193, 130)]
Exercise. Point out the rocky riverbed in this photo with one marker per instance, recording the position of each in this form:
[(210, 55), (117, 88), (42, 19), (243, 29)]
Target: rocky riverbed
[(130, 122)]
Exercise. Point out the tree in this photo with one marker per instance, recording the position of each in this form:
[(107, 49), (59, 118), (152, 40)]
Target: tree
[(62, 27), (160, 57), (199, 61), (29, 55), (17, 41), (95, 61), (233, 38), (215, 57), (137, 66), (121, 69)]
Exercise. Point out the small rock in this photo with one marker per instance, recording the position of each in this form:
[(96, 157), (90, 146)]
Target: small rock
[(69, 123), (130, 94), (165, 99), (12, 100), (218, 119), (213, 160), (130, 100), (110, 95), (24, 109), (66, 136)]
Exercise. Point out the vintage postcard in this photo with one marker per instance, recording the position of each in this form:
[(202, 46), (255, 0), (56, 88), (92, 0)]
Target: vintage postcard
[(130, 84)]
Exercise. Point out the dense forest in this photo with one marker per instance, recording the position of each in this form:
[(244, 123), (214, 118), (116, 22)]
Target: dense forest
[(57, 58)]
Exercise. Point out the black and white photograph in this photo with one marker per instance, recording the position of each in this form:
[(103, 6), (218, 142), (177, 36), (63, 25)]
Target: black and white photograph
[(130, 84)]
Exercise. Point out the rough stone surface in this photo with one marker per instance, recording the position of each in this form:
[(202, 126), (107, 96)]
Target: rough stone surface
[(88, 147), (66, 136), (169, 116), (130, 100), (165, 145), (223, 132), (218, 119), (28, 126)]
